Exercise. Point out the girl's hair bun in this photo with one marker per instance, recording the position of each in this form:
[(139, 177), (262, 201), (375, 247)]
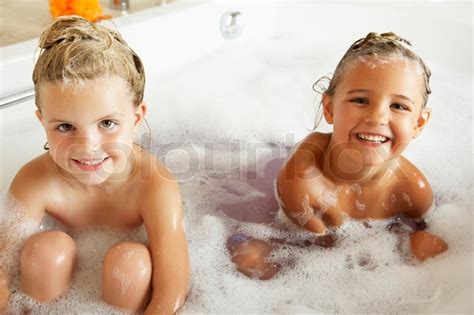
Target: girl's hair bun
[(74, 49), (68, 28)]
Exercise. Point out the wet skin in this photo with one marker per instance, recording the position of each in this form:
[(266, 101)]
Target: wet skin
[(357, 170), (365, 178), (250, 255), (94, 176)]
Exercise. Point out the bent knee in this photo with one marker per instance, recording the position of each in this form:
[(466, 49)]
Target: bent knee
[(126, 254), (127, 273), (47, 262)]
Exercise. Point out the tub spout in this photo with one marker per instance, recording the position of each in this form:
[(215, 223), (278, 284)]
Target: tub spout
[(123, 5)]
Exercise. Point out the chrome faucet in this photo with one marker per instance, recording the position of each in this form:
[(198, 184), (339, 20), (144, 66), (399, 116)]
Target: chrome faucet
[(123, 5)]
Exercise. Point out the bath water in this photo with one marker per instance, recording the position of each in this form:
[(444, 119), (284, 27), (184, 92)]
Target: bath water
[(224, 125)]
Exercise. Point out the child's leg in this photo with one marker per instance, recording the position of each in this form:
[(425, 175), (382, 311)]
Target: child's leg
[(47, 263), (126, 276)]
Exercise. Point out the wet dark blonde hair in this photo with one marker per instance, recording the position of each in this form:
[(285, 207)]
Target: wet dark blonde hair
[(388, 45), (72, 50)]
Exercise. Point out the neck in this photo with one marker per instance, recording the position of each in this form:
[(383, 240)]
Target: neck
[(344, 169)]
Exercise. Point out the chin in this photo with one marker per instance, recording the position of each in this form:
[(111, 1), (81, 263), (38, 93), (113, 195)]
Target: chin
[(373, 160), (91, 179)]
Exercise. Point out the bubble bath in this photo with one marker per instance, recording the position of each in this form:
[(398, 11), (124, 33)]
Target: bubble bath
[(225, 123)]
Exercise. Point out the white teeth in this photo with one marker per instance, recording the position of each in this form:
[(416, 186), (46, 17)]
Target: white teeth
[(91, 162), (372, 138)]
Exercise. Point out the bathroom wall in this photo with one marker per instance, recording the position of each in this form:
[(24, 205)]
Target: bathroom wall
[(25, 19)]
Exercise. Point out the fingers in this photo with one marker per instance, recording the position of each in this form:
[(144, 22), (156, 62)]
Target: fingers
[(333, 217), (315, 225), (307, 220)]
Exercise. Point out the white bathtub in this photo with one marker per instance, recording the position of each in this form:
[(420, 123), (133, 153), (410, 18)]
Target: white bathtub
[(257, 87)]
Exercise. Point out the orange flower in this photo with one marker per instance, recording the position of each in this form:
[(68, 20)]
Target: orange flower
[(88, 9)]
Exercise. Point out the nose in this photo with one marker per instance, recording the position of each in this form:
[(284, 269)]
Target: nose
[(88, 141), (377, 115)]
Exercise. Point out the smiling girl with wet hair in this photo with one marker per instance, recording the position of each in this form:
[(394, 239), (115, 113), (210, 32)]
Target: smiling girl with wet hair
[(376, 102), (89, 88)]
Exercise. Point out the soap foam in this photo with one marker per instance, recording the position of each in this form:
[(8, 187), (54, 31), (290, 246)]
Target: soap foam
[(85, 291), (369, 263), (264, 97)]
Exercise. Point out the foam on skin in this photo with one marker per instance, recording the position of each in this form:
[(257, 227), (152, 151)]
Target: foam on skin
[(85, 291), (304, 216), (269, 97)]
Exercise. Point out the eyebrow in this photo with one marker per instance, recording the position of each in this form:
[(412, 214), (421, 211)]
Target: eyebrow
[(396, 95), (67, 122), (57, 120), (404, 97), (357, 90)]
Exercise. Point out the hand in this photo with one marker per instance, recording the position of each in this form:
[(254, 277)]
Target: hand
[(316, 223), (425, 245)]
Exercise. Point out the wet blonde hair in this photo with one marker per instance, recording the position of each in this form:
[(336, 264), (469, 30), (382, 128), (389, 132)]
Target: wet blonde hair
[(373, 45), (72, 50)]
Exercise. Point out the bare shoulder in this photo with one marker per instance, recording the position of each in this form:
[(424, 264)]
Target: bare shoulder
[(310, 150), (316, 142), (302, 171), (414, 188), (33, 183), (306, 160), (154, 173), (160, 191)]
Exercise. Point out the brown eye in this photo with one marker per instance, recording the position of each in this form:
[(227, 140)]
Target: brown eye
[(399, 106), (107, 124), (360, 100), (65, 127)]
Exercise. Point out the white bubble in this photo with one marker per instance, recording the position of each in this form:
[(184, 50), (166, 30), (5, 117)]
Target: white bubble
[(261, 95)]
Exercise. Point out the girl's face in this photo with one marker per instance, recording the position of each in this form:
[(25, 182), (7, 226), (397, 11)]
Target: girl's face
[(90, 127), (376, 110)]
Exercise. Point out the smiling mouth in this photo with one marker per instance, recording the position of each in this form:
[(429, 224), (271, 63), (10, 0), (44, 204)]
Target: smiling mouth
[(90, 165), (372, 138)]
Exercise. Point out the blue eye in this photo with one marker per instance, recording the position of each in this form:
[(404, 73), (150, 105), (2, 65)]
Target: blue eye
[(65, 127), (360, 100), (107, 124)]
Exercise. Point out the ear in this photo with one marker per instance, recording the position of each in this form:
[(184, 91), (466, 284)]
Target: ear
[(425, 116), (327, 108), (39, 115), (140, 113)]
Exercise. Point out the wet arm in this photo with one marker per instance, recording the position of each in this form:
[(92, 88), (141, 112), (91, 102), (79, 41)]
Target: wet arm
[(296, 188), (299, 208), (24, 202), (163, 217), (423, 244), (4, 291), (418, 196)]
